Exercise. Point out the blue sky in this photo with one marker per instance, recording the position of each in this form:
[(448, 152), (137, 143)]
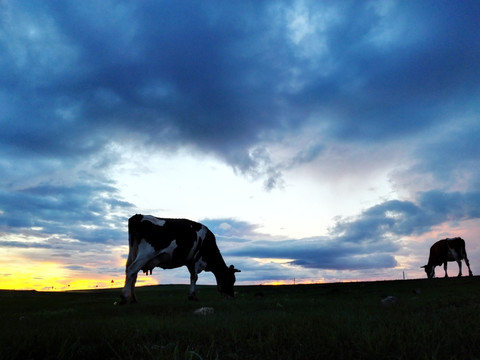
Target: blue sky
[(321, 140)]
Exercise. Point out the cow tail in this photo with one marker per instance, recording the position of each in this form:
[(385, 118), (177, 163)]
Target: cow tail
[(133, 225), (464, 250)]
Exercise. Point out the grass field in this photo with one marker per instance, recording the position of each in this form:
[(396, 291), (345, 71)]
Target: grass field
[(431, 319)]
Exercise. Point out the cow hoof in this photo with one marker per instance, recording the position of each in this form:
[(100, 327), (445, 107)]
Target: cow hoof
[(122, 301)]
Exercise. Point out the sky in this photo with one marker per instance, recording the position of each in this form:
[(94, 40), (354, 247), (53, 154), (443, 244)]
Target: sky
[(320, 141)]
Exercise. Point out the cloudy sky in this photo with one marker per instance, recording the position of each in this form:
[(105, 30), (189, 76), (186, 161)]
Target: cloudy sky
[(319, 140)]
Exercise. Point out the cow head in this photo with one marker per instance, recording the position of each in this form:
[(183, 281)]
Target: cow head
[(430, 270), (226, 280)]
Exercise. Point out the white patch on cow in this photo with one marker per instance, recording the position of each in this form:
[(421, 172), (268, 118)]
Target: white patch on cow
[(146, 253), (169, 249), (164, 258), (153, 220), (200, 236), (202, 233), (145, 250), (192, 252), (200, 265)]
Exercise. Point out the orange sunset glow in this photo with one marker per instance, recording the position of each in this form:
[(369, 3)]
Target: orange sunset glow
[(46, 270), (52, 276)]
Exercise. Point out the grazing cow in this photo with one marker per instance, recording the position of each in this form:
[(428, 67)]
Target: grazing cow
[(447, 250), (172, 243)]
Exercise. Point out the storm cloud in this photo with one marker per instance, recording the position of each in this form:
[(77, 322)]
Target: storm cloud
[(371, 239)]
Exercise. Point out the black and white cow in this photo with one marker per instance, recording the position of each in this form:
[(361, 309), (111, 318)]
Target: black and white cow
[(172, 243), (450, 249)]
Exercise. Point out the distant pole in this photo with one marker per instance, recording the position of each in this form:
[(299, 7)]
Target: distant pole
[(293, 281), (404, 275)]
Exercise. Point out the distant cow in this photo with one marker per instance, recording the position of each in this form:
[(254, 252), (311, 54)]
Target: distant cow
[(447, 250), (172, 243)]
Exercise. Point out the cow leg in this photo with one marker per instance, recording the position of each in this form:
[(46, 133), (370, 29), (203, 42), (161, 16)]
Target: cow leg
[(193, 282), (130, 280), (128, 289), (445, 268), (468, 266), (133, 298), (459, 262)]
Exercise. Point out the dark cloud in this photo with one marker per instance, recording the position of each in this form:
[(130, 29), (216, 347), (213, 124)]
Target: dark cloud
[(403, 218), (456, 206), (23, 244), (82, 212), (407, 80), (452, 157), (322, 253), (209, 76), (76, 267)]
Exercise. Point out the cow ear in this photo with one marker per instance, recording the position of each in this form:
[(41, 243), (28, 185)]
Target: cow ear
[(423, 267), (232, 268)]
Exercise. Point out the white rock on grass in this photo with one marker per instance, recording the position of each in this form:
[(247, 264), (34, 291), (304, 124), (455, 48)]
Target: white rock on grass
[(389, 301), (204, 311)]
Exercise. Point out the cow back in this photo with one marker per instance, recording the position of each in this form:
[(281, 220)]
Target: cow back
[(441, 250)]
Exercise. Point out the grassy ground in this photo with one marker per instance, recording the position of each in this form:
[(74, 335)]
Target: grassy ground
[(431, 319)]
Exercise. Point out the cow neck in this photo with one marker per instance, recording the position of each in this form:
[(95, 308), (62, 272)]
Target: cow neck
[(212, 256), (217, 267)]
